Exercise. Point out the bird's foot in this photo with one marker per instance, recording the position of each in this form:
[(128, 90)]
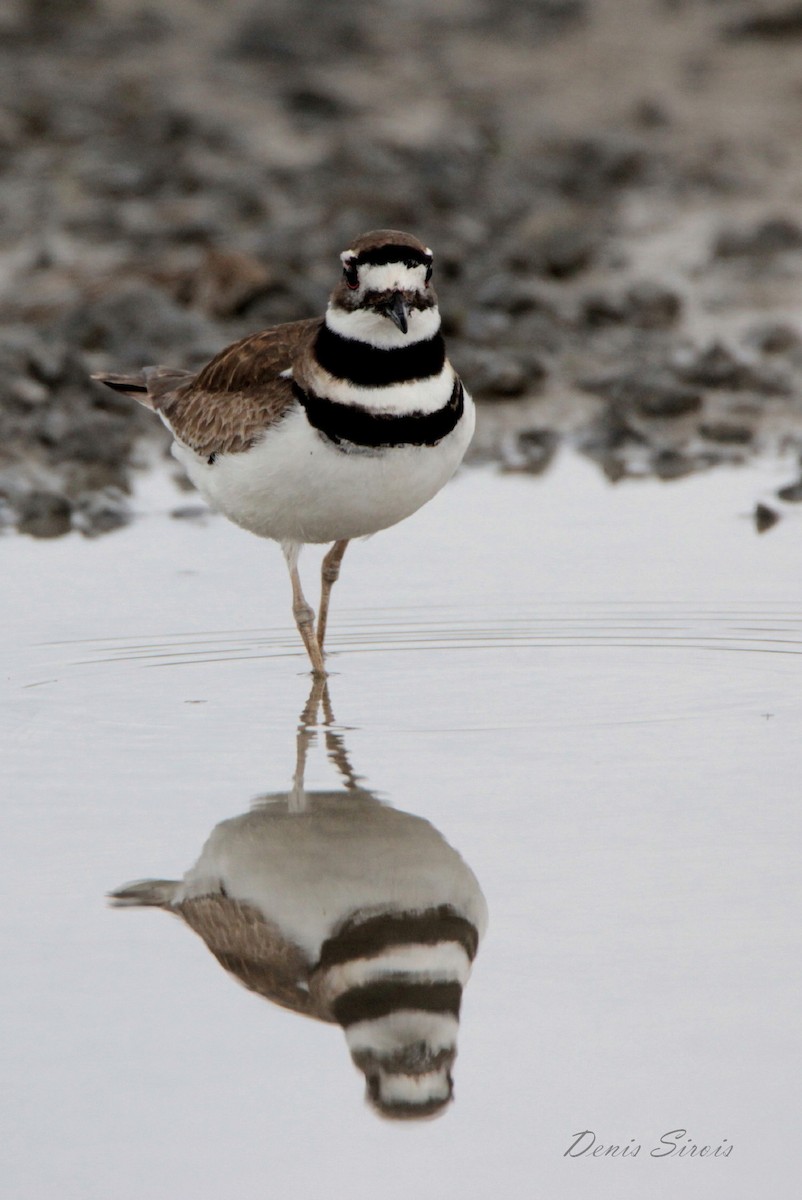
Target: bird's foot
[(305, 620)]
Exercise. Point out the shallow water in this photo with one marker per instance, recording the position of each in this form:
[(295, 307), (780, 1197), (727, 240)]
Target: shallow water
[(590, 692)]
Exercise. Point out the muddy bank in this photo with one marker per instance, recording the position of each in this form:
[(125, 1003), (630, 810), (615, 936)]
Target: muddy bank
[(611, 190)]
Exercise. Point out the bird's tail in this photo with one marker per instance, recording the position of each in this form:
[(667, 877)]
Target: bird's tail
[(149, 386), (135, 386), (157, 893)]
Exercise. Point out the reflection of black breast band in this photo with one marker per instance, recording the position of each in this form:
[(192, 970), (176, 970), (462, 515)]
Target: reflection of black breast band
[(361, 427), (377, 1000), (388, 931)]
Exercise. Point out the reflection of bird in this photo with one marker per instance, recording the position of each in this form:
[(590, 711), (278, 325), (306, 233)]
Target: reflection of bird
[(327, 429), (341, 908)]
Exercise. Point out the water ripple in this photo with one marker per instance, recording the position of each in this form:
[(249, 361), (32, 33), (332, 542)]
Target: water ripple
[(770, 628)]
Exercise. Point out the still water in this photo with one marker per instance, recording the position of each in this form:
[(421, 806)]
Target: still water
[(551, 791)]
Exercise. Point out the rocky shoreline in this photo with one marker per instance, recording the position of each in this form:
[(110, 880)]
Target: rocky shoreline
[(612, 203)]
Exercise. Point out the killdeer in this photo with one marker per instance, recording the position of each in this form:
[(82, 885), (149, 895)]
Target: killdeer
[(343, 909), (326, 429)]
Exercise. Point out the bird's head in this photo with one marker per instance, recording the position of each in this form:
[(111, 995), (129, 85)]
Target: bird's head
[(385, 295), (406, 1057)]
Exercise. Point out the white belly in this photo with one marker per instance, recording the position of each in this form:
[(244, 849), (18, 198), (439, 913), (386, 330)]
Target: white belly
[(306, 871), (296, 486)]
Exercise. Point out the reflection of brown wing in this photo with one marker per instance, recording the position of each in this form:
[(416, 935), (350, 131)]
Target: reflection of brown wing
[(228, 405), (254, 950)]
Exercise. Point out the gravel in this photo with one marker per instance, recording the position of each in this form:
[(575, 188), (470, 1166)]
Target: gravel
[(619, 266)]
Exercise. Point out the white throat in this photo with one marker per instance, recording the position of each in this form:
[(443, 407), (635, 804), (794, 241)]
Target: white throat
[(376, 330)]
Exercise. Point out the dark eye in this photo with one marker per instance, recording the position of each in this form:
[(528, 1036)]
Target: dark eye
[(351, 275), (428, 274)]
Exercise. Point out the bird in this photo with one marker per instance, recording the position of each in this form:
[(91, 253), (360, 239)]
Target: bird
[(341, 908), (325, 429)]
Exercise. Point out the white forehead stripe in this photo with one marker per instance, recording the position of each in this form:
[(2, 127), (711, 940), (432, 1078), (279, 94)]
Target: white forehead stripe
[(391, 277)]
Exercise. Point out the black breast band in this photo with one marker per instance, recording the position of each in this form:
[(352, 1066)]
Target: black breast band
[(361, 427), (373, 366)]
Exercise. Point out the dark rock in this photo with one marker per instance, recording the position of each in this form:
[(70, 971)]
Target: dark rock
[(615, 468), (51, 19), (651, 305), (189, 512), (62, 438), (513, 295), (726, 432), (537, 20), (765, 517), (26, 392), (651, 114), (497, 375), (671, 464), (718, 367), (779, 25), (315, 103), (7, 515), (559, 254), (696, 70), (89, 438), (645, 305), (149, 25), (589, 168), (260, 38), (774, 338), (11, 136), (530, 452), (482, 326), (53, 361), (101, 512), (281, 301), (606, 435), (139, 325), (536, 335), (182, 482), (44, 515), (791, 493), (649, 393), (771, 237), (268, 36), (598, 309), (224, 283), (80, 478)]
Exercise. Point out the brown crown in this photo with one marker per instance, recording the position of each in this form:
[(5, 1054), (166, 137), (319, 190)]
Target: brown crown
[(377, 239)]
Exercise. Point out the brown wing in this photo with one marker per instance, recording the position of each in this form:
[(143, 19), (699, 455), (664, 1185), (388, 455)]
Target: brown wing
[(228, 405), (254, 950)]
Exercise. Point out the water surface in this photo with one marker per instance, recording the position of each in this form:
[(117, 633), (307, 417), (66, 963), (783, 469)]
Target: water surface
[(590, 692)]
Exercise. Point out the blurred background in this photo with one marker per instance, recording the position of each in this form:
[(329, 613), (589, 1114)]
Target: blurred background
[(611, 188)]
